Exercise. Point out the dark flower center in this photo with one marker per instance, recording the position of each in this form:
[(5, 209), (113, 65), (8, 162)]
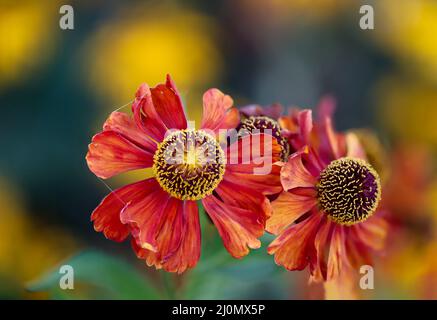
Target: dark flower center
[(349, 190), (189, 164), (262, 124)]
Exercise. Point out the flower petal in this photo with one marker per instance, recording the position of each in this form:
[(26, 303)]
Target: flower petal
[(123, 124), (218, 111), (106, 216), (305, 122), (146, 216), (294, 174), (145, 115), (337, 259), (372, 232), (252, 160), (245, 198), (168, 105), (109, 154), (187, 235), (273, 111), (294, 248), (354, 147), (251, 110), (287, 208), (342, 288), (319, 268), (188, 252), (238, 228)]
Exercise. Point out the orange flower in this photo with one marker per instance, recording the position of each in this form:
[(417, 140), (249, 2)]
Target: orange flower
[(160, 213), (325, 217)]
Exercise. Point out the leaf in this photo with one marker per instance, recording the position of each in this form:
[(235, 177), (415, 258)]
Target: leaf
[(97, 276)]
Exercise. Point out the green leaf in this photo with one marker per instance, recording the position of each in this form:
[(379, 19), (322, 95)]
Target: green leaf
[(97, 276)]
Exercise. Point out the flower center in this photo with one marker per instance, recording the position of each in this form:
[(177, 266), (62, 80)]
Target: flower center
[(263, 123), (349, 190), (189, 164)]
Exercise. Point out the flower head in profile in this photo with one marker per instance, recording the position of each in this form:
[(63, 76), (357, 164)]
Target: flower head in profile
[(160, 213), (326, 217)]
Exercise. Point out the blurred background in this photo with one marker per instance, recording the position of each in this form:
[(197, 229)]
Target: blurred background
[(58, 86)]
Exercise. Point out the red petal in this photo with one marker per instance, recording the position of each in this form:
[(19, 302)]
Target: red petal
[(188, 252), (109, 154), (123, 124), (146, 216), (251, 160), (145, 115), (238, 228), (294, 174), (168, 105), (186, 234), (106, 216), (245, 198), (294, 248), (218, 111), (287, 208), (326, 107), (305, 121)]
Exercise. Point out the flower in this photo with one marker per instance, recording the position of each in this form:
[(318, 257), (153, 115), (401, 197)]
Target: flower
[(325, 217), (255, 117), (161, 213)]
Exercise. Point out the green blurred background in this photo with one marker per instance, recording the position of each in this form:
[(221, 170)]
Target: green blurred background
[(58, 86)]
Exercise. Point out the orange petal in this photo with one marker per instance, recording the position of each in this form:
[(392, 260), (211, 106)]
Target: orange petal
[(252, 160), (343, 287), (294, 174), (372, 232), (123, 124), (106, 216), (239, 228), (109, 154), (287, 208), (337, 259), (294, 248), (245, 198), (146, 216), (218, 111), (319, 269)]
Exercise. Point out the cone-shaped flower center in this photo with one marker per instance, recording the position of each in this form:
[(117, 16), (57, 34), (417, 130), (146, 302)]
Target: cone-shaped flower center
[(263, 124), (189, 164), (349, 190)]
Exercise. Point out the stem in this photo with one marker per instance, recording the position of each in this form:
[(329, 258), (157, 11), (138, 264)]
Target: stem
[(169, 285)]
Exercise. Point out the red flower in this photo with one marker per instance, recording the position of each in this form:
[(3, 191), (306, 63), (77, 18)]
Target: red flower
[(325, 217), (161, 213)]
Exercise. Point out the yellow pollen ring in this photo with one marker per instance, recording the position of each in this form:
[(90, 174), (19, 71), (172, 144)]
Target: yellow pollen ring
[(189, 164)]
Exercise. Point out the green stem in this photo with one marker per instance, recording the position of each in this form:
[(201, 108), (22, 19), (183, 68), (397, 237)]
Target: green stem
[(169, 285)]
